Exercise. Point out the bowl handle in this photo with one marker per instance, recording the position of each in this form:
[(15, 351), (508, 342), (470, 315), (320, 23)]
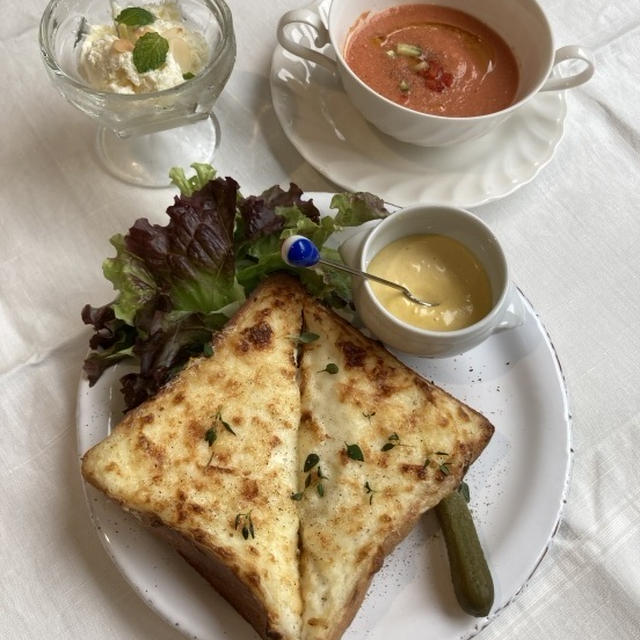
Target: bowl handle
[(311, 18), (570, 52), (514, 313)]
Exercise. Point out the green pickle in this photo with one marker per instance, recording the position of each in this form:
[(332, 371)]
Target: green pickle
[(472, 582)]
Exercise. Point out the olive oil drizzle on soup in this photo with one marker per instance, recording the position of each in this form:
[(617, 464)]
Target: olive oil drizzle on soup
[(433, 59)]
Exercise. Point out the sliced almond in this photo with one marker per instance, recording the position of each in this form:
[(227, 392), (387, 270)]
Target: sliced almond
[(122, 46), (138, 32), (174, 32), (181, 52)]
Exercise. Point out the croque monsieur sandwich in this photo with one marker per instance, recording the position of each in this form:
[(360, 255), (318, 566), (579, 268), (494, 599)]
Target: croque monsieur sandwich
[(284, 469)]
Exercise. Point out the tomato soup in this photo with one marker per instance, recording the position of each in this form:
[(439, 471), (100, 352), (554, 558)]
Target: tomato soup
[(433, 59)]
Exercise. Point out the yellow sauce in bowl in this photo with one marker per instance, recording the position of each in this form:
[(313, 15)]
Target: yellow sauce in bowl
[(435, 268)]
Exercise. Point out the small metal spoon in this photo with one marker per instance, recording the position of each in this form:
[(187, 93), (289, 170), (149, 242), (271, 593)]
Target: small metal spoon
[(298, 251)]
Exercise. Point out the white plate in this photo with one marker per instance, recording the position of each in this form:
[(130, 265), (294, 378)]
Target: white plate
[(332, 136), (518, 488)]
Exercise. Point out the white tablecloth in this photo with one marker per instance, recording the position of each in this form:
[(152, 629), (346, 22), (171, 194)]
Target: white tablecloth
[(572, 238)]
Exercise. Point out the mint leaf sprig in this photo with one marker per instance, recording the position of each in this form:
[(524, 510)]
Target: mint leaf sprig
[(135, 17), (150, 52)]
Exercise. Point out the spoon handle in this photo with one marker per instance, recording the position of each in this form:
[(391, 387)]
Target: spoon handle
[(362, 274)]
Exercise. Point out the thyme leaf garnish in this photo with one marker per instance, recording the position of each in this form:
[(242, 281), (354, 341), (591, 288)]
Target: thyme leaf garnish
[(393, 441), (247, 525), (311, 461), (226, 425), (210, 436), (354, 452), (370, 491), (331, 368), (305, 337), (443, 466)]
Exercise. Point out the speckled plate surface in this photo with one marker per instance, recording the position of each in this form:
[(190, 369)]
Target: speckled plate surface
[(518, 487), (332, 136)]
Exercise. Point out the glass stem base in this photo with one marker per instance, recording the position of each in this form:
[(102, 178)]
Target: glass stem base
[(145, 160)]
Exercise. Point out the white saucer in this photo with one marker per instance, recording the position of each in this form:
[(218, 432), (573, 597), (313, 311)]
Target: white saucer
[(333, 137)]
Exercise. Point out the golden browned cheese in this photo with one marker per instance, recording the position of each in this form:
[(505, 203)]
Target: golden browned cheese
[(416, 440), (302, 567), (158, 463)]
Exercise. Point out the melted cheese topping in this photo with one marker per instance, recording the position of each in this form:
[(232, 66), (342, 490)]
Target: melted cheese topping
[(366, 507), (323, 549), (435, 268), (158, 463)]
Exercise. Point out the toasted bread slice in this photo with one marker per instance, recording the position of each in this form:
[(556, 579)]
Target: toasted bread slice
[(211, 461), (416, 441)]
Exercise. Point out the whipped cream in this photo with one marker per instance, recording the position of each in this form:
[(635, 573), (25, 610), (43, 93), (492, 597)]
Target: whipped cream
[(106, 55)]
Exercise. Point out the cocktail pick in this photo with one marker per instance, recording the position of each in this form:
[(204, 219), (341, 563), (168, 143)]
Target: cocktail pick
[(298, 251)]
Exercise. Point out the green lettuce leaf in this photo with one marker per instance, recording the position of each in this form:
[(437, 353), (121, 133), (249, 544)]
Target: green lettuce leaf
[(355, 209), (203, 174), (177, 285), (132, 280), (192, 258), (166, 341)]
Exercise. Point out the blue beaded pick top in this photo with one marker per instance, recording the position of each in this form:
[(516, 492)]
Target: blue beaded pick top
[(298, 251)]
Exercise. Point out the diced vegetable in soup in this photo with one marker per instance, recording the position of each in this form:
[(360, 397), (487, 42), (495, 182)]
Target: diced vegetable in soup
[(433, 59)]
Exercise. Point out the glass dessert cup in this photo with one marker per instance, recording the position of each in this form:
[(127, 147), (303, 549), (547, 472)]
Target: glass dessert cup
[(141, 136)]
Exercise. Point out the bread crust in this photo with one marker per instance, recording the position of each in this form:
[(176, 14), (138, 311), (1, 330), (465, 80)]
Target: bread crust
[(213, 568)]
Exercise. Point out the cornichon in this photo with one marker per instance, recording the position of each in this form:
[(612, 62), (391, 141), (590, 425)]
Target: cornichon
[(470, 573)]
